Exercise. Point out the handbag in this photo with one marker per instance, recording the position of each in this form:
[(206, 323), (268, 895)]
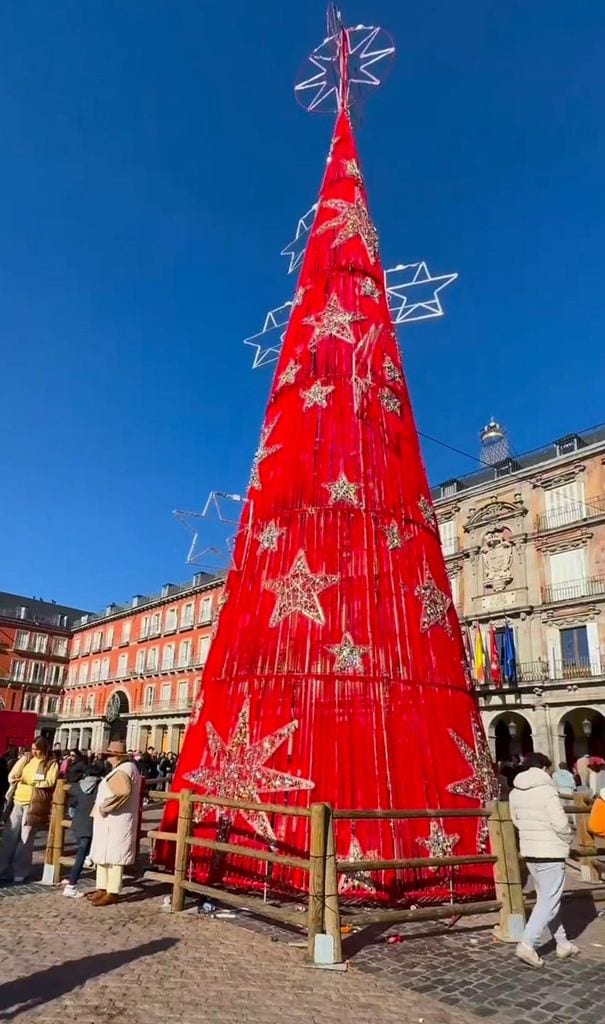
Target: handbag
[(596, 818), (9, 803)]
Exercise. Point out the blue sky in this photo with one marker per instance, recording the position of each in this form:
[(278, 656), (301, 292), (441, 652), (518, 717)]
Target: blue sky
[(155, 161)]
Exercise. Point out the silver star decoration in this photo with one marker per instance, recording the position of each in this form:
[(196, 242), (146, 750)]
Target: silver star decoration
[(352, 220), (343, 490), (298, 295), (296, 248), (435, 605), (351, 169), (268, 341), (359, 881), (348, 655), (317, 394), (262, 452), (391, 372), (413, 294), (268, 538), (298, 591), (333, 321), (427, 510), (289, 374), (390, 401), (370, 289), (395, 539), (439, 843), (361, 386), (366, 47), (481, 784)]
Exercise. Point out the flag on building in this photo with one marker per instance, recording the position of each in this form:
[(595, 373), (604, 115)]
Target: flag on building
[(494, 658), (509, 660), (479, 657)]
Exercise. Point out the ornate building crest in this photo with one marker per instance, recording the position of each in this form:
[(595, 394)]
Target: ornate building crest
[(494, 511), (497, 557)]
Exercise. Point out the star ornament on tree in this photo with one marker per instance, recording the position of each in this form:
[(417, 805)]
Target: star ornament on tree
[(352, 220), (481, 784), (298, 591), (268, 538), (348, 655), (413, 294), (262, 452), (343, 490), (435, 605), (439, 843), (333, 321), (289, 374), (317, 394), (239, 771), (360, 881)]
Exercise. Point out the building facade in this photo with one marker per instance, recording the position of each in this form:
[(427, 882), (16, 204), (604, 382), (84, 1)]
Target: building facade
[(524, 541), (135, 670), (34, 652)]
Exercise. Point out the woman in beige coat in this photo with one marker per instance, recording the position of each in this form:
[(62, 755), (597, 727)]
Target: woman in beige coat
[(115, 824)]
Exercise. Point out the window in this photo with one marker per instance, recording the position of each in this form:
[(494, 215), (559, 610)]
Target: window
[(574, 651), (449, 536), (78, 705), (72, 675), (37, 672), (152, 659), (123, 665), (18, 670), (95, 671), (206, 610), (67, 706), (184, 653), (202, 649), (22, 640), (567, 575), (149, 691), (83, 674), (108, 638), (168, 656), (166, 693), (564, 504), (57, 673), (449, 488), (155, 627), (52, 705), (40, 643), (29, 704), (97, 640), (86, 641), (90, 703), (171, 620), (455, 585), (144, 627), (187, 615), (60, 646), (140, 661), (75, 650), (104, 669), (125, 634), (183, 692)]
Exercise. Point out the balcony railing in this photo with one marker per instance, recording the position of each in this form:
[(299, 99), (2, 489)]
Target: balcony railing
[(541, 672), (567, 515), (165, 706), (572, 589), (69, 716)]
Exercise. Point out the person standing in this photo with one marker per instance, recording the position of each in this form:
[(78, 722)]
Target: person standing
[(564, 780), (81, 799), (35, 775), (115, 824), (544, 840)]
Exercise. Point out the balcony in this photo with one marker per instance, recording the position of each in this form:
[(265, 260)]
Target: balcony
[(591, 586), (168, 707), (72, 716), (570, 515), (538, 673)]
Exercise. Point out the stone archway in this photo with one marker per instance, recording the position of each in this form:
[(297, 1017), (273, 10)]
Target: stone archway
[(581, 732), (510, 736), (116, 714)]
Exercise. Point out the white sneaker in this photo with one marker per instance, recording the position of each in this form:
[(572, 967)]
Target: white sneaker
[(528, 955), (71, 891), (567, 950), (88, 863)]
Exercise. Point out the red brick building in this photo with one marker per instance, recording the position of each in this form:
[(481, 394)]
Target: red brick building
[(34, 650), (135, 670)]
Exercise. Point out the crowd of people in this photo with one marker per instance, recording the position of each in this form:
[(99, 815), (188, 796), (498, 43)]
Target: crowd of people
[(103, 805)]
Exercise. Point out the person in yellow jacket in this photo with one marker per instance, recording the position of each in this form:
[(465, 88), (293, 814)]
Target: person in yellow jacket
[(33, 777)]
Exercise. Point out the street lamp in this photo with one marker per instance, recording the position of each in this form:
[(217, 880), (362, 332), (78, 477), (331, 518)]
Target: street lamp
[(512, 730), (587, 727)]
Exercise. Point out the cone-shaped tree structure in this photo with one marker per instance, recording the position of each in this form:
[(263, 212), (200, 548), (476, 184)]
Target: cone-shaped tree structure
[(337, 670)]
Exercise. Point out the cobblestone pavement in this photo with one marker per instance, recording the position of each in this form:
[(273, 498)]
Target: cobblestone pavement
[(63, 961)]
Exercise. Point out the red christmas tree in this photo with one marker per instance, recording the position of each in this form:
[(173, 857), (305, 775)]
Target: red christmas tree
[(337, 672)]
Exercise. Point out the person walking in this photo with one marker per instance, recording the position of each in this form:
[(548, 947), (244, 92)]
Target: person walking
[(544, 840), (115, 824), (81, 799), (35, 775)]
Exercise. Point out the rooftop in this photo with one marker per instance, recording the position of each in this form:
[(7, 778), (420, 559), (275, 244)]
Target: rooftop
[(37, 611)]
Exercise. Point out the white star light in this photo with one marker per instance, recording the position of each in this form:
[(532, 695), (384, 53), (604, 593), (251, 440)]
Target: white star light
[(413, 294), (268, 341), (296, 248), (366, 46)]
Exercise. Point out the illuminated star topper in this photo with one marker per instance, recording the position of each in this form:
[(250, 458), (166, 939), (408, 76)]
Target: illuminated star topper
[(346, 58), (413, 294)]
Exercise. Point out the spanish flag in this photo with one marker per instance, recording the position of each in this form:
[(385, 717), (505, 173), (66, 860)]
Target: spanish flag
[(479, 658)]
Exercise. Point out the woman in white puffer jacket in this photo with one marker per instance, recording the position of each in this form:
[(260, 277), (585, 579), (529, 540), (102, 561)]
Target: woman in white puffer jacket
[(544, 841)]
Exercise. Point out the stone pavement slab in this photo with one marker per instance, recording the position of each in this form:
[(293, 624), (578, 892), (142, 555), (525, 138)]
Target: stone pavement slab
[(63, 961)]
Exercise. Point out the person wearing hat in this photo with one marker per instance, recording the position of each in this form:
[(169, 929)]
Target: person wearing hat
[(595, 778), (115, 823)]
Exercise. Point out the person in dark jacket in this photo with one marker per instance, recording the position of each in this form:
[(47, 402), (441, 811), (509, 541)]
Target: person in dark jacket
[(81, 800)]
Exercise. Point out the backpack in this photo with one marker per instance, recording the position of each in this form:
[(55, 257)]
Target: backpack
[(596, 818)]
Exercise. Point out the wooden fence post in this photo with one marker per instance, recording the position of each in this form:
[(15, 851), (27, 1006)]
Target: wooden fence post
[(507, 873), (181, 855), (331, 907), (51, 873), (317, 873)]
